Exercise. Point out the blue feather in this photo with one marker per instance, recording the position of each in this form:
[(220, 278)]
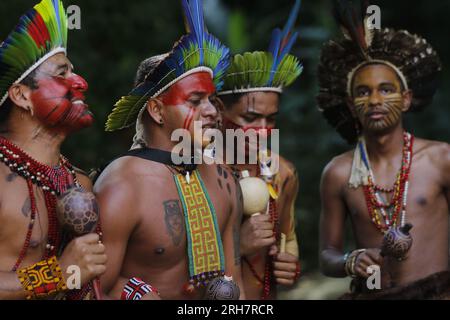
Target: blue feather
[(275, 42), (197, 11), (274, 48), (199, 25), (188, 15), (56, 7), (292, 18), (287, 48), (282, 40)]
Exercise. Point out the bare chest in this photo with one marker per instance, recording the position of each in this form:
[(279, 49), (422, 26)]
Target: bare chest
[(426, 205), (16, 211), (168, 223)]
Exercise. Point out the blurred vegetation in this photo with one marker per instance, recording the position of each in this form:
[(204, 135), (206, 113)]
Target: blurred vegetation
[(116, 35)]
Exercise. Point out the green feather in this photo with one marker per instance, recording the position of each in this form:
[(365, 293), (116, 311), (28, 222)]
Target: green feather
[(123, 114)]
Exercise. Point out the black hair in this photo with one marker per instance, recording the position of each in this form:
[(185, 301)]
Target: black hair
[(231, 99), (146, 67), (5, 109)]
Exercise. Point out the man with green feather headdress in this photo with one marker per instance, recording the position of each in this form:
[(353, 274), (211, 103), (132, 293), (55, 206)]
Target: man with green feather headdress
[(41, 103), (251, 98), (171, 228)]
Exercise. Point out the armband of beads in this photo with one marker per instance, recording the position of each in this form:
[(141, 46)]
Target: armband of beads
[(42, 279), (135, 289)]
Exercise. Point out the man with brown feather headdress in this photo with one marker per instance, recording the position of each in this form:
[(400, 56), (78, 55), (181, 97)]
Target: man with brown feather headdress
[(391, 181)]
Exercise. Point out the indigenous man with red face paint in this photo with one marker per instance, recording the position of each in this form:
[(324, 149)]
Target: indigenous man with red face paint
[(170, 227), (42, 102), (251, 98), (392, 180)]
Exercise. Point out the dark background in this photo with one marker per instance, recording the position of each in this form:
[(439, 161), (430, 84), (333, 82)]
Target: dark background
[(116, 35)]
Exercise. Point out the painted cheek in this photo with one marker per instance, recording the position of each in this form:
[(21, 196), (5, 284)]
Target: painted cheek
[(51, 100), (261, 131), (393, 104), (188, 119), (228, 124), (361, 104)]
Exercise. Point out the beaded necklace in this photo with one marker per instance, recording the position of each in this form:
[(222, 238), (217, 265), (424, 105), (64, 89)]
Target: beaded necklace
[(52, 181), (385, 214)]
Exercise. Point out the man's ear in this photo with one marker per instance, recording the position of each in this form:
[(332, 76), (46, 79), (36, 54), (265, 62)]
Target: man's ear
[(20, 95), (407, 100), (155, 109)]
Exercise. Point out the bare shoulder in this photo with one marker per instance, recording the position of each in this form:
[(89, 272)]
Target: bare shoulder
[(338, 169), (120, 182), (126, 171), (437, 151)]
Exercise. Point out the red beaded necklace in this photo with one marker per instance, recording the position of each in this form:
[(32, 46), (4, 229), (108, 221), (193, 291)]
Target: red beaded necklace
[(267, 279), (52, 181), (377, 209)]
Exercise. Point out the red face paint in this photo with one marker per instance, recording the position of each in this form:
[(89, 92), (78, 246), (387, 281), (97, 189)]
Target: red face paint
[(180, 92), (261, 131), (188, 121), (59, 102)]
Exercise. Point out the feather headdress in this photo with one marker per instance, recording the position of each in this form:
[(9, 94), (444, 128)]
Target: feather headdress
[(270, 70), (414, 60), (40, 34), (195, 52)]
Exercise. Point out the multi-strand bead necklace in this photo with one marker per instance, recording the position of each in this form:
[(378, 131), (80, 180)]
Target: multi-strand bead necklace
[(53, 182), (385, 214)]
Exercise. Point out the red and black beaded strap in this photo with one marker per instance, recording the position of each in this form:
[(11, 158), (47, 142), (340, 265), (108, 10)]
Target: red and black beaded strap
[(268, 273), (135, 289), (267, 280), (55, 180)]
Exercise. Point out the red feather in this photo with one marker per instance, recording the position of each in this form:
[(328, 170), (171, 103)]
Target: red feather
[(38, 31)]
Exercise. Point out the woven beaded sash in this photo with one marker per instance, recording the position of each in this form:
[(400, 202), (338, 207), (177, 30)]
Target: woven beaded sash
[(205, 251)]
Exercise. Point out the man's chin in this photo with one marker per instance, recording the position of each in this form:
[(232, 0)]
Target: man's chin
[(86, 121), (379, 128)]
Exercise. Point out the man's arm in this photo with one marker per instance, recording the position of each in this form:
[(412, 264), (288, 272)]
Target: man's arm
[(118, 219), (287, 215), (332, 222), (231, 239), (446, 171), (10, 287), (286, 264)]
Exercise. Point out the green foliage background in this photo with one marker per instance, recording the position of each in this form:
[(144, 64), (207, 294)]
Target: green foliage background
[(116, 35)]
